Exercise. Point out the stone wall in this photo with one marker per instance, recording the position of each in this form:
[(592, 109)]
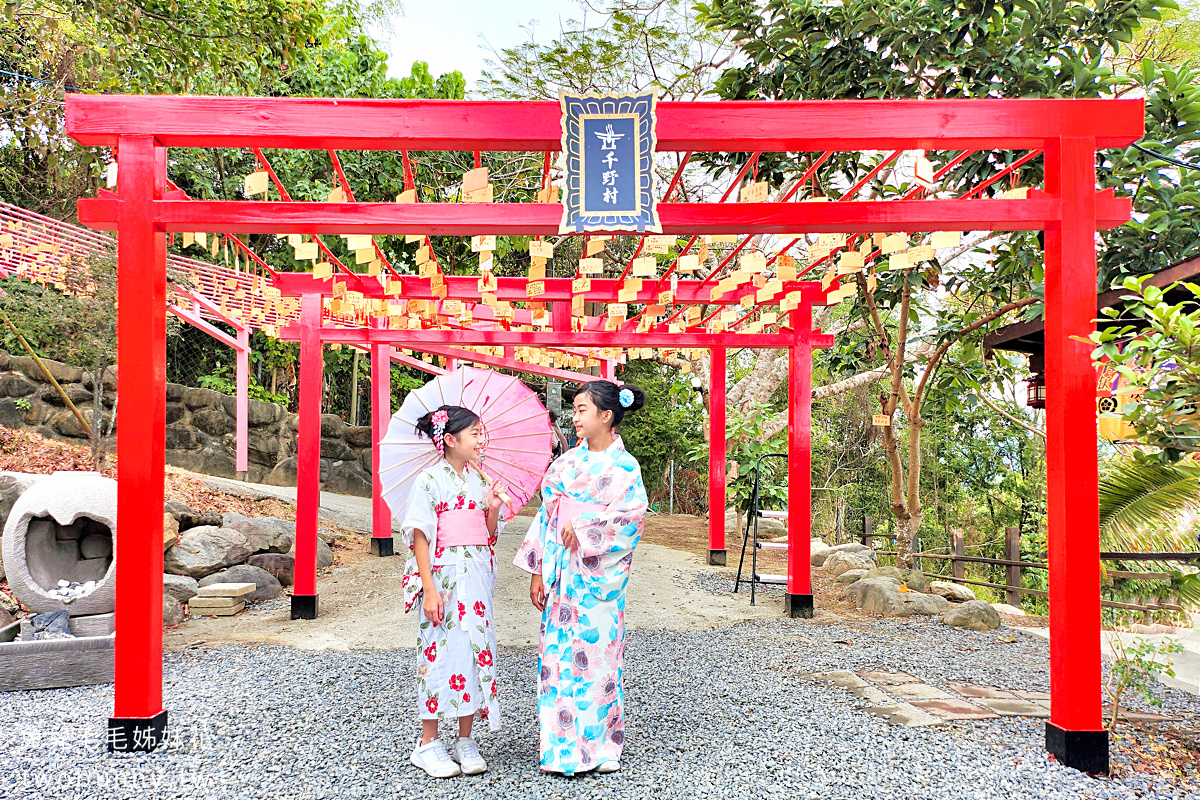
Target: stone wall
[(200, 427)]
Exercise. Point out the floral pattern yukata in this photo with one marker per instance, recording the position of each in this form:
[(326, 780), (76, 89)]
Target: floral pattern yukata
[(580, 695), (456, 671)]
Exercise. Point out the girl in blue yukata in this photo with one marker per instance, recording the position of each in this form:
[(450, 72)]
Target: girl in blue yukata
[(579, 550), (450, 526)]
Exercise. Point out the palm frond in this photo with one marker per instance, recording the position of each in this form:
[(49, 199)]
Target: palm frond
[(1142, 505)]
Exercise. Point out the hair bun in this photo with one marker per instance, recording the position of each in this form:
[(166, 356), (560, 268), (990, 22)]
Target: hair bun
[(639, 397)]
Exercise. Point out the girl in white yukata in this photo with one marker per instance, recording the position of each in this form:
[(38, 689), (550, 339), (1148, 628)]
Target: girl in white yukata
[(451, 525), (579, 551)]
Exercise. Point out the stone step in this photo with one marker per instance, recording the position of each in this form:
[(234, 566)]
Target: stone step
[(226, 590), (214, 602), (218, 612)]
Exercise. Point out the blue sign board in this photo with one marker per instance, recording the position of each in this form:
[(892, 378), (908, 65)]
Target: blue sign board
[(608, 144)]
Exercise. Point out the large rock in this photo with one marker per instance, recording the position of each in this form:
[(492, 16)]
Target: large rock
[(189, 518), (818, 558), (12, 486), (204, 550), (912, 578), (974, 614), (324, 554), (818, 553), (841, 562), (265, 534), (883, 596), (172, 611), (170, 531), (6, 618), (954, 592), (181, 587), (266, 585), (281, 565), (851, 575), (1005, 608), (8, 604)]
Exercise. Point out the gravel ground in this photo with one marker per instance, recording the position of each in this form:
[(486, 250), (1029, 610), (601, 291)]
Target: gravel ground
[(716, 714)]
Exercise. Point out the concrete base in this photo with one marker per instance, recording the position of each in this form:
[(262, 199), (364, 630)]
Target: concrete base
[(137, 734), (1086, 751), (798, 605), (382, 546), (304, 606), (716, 558)]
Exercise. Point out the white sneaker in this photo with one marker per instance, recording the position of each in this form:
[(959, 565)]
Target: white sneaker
[(609, 766), (434, 759), (466, 753)]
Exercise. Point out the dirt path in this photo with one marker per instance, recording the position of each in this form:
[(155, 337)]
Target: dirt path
[(361, 605)]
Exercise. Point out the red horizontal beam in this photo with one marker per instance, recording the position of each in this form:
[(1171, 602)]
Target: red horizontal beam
[(548, 338), (534, 219), (750, 126), (466, 287)]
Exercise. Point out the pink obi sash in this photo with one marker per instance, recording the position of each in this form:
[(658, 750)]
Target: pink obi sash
[(462, 527), (570, 508)]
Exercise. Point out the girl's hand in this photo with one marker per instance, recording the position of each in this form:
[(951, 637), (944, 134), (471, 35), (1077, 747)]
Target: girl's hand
[(537, 593), (434, 612), (569, 539), (493, 496)]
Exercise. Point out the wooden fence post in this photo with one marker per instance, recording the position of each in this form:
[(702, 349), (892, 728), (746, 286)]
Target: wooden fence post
[(1012, 552), (868, 525), (957, 551)]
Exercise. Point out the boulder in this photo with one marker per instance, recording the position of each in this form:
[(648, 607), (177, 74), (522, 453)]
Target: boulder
[(170, 531), (266, 585), (1005, 608), (974, 614), (181, 587), (818, 553), (851, 575), (7, 603), (358, 436), (324, 554), (883, 596), (912, 578), (12, 485), (6, 618), (265, 534), (954, 592), (840, 562), (281, 565), (284, 473), (203, 550), (172, 611), (818, 559), (332, 426)]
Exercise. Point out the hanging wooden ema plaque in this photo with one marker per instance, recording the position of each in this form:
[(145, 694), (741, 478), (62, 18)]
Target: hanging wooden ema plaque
[(608, 142)]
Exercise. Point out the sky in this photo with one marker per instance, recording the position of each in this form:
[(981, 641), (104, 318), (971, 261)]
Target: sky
[(456, 34)]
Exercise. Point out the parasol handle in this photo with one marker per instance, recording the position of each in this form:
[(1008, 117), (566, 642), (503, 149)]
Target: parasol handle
[(503, 495)]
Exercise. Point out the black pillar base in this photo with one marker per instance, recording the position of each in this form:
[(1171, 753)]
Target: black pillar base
[(716, 558), (304, 606), (382, 546), (137, 734), (798, 605), (1086, 751)]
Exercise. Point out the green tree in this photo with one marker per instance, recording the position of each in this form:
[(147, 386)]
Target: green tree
[(808, 49)]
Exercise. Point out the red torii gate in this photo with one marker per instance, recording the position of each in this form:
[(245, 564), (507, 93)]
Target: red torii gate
[(1069, 209)]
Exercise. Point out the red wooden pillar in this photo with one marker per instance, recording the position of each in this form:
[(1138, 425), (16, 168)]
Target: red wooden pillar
[(716, 458), (139, 721), (308, 459), (1075, 733), (381, 415), (798, 600)]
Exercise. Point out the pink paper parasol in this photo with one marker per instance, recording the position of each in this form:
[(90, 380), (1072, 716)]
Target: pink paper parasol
[(516, 428)]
